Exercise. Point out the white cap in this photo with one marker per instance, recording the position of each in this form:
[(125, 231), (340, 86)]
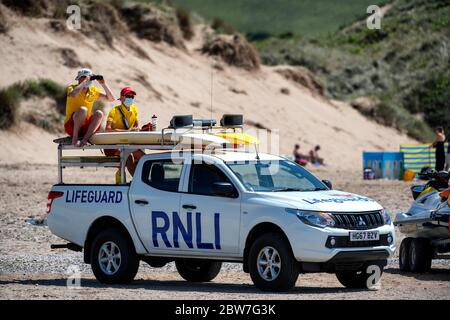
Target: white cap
[(85, 72)]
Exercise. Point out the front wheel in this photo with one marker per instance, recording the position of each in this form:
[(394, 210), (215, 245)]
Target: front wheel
[(420, 255), (113, 258), (365, 278), (198, 270), (403, 257), (271, 263)]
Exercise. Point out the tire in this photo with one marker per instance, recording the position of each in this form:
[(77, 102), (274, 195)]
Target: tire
[(357, 279), (403, 256), (274, 248), (420, 255), (194, 270), (126, 266)]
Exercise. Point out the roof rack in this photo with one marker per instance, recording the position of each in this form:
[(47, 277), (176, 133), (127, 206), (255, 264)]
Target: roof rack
[(185, 122), (100, 161)]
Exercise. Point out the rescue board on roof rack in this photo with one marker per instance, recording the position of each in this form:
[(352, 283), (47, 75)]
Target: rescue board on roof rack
[(238, 137), (155, 138)]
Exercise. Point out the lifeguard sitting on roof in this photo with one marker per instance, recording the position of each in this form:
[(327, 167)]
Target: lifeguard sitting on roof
[(124, 117), (80, 100)]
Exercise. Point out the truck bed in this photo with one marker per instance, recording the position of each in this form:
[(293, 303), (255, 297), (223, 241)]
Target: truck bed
[(80, 205)]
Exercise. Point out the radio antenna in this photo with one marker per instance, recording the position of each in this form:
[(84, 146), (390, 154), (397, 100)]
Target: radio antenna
[(211, 93), (257, 152)]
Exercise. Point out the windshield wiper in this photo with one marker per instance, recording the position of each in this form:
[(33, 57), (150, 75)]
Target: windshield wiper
[(296, 189), (287, 189)]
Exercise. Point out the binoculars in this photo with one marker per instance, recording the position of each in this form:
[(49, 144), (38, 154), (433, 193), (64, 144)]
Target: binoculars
[(96, 77)]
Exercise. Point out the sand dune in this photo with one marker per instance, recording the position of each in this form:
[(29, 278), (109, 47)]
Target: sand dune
[(174, 81)]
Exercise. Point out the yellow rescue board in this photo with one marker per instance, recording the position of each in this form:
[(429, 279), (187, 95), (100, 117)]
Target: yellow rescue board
[(238, 137)]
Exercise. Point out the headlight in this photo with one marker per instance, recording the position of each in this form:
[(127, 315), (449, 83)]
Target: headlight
[(386, 217), (313, 218)]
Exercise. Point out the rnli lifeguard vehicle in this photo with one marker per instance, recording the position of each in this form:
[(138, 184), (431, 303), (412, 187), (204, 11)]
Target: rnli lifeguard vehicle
[(199, 207)]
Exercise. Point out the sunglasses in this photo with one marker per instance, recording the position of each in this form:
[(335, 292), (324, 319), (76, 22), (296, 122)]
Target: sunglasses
[(129, 96)]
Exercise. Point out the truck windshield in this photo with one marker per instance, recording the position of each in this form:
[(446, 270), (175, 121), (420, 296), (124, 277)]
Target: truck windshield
[(275, 176)]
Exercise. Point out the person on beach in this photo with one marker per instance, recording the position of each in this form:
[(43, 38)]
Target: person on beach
[(440, 149), (299, 157), (314, 156), (122, 118), (447, 159), (80, 121)]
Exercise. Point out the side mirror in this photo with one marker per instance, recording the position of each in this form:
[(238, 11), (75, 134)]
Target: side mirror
[(328, 184), (223, 189)]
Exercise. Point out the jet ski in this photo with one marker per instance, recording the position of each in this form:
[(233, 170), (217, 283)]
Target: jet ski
[(426, 223)]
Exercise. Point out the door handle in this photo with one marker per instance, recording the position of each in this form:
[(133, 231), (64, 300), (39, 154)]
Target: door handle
[(189, 206), (141, 202)]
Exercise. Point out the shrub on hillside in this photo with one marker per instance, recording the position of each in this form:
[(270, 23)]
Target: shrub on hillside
[(40, 8), (234, 50), (103, 21), (40, 88), (221, 26), (150, 23), (389, 114), (50, 120), (433, 100), (9, 105), (185, 23), (4, 26), (11, 97), (28, 7), (258, 36), (304, 77)]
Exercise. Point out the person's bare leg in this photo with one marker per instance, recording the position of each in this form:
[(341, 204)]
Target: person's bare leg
[(136, 156), (131, 166), (96, 121), (79, 117)]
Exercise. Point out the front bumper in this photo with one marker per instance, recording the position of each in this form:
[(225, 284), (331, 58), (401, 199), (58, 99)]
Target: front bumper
[(312, 244), (348, 260)]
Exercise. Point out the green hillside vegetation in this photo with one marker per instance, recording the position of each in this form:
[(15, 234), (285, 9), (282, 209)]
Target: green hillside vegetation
[(404, 68), (12, 96), (261, 18)]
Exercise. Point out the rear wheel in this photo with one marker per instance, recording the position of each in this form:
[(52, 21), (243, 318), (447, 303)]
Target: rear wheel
[(198, 270), (420, 255), (271, 263), (113, 257), (403, 259), (365, 278)]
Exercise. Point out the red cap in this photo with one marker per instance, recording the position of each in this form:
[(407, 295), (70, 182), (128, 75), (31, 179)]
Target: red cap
[(126, 91)]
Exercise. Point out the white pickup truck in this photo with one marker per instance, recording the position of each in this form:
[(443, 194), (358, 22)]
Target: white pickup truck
[(200, 210)]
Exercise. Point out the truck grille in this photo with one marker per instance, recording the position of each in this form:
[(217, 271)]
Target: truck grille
[(358, 221)]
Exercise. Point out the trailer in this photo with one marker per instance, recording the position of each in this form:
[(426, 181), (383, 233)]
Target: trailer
[(427, 229)]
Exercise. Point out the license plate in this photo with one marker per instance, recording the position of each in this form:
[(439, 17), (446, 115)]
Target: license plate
[(364, 235)]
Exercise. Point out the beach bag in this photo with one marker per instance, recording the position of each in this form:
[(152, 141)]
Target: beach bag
[(147, 127)]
